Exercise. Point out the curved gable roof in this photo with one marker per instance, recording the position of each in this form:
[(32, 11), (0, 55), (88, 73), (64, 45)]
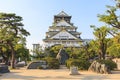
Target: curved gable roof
[(63, 34), (62, 13), (63, 23)]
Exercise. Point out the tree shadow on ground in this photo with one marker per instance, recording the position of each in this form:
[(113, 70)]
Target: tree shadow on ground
[(94, 77), (13, 75), (116, 72), (17, 76)]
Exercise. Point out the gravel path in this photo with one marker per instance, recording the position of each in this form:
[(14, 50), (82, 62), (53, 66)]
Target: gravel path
[(59, 74)]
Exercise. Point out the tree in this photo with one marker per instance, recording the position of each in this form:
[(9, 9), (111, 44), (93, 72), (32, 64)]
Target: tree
[(73, 52), (111, 17), (86, 47), (114, 50), (117, 3), (101, 34), (21, 50), (22, 53), (38, 52), (11, 28), (5, 53), (114, 47), (54, 50)]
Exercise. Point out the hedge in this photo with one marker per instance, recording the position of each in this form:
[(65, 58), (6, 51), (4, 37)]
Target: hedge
[(111, 64), (82, 64), (52, 63)]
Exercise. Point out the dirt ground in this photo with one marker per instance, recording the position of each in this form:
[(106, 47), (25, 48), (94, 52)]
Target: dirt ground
[(58, 74)]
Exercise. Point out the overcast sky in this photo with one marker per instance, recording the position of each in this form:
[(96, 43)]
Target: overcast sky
[(38, 15)]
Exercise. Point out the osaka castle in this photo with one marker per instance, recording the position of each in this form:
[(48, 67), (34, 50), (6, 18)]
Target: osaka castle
[(62, 32)]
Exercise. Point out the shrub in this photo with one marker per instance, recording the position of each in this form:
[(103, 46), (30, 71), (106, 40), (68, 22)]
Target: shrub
[(52, 63), (82, 64), (108, 63)]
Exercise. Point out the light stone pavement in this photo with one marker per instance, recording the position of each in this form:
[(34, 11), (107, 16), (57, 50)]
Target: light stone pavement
[(58, 74)]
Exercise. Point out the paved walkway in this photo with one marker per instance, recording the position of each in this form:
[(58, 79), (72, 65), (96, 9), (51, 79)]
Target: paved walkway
[(59, 74)]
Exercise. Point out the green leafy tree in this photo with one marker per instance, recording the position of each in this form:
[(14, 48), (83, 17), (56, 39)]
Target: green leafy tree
[(73, 53), (54, 50), (117, 3), (11, 28), (38, 53), (5, 53), (111, 17), (102, 42), (85, 48), (114, 50), (22, 53)]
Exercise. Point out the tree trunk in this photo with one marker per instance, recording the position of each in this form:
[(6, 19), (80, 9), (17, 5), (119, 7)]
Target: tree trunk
[(13, 60), (13, 55), (100, 55), (103, 47)]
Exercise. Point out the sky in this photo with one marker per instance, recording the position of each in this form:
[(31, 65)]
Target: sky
[(38, 15)]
